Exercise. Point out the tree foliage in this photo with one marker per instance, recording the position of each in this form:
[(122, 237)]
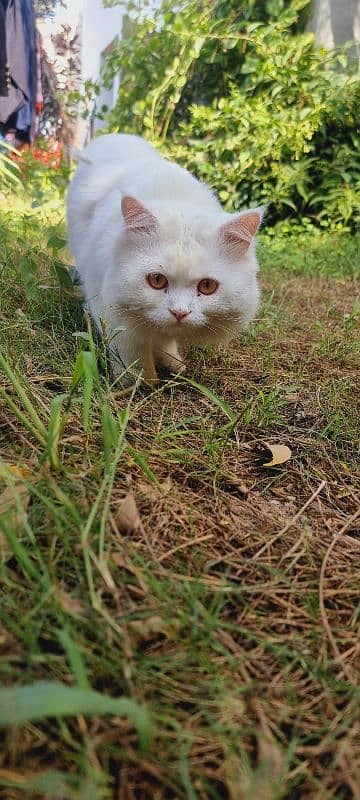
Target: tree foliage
[(238, 93), (46, 8)]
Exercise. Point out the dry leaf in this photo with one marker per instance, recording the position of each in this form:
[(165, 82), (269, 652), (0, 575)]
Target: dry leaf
[(271, 758), (150, 628), (69, 603), (20, 472), (12, 471), (263, 781), (228, 480), (280, 453), (153, 492), (126, 516)]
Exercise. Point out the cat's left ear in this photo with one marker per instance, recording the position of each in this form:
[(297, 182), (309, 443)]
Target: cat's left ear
[(238, 233), (137, 218)]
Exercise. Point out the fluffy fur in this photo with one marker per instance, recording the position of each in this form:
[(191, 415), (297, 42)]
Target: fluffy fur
[(133, 214)]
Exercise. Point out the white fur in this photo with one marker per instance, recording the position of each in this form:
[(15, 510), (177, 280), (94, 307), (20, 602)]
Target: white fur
[(187, 245)]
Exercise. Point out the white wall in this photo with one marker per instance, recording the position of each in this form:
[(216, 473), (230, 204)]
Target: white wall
[(335, 22), (99, 27)]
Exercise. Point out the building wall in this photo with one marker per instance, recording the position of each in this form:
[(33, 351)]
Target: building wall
[(99, 27), (335, 22)]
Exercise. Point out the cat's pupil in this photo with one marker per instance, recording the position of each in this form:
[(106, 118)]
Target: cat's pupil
[(157, 280), (207, 286)]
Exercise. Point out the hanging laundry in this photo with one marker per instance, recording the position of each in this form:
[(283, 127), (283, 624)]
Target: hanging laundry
[(26, 116), (4, 68), (18, 84), (20, 72), (39, 97)]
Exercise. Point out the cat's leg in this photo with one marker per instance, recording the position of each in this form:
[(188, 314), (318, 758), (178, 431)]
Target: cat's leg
[(130, 355), (149, 369), (170, 357), (128, 359)]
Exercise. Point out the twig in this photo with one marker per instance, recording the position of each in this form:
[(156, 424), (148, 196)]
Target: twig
[(291, 521), (325, 621), (185, 544)]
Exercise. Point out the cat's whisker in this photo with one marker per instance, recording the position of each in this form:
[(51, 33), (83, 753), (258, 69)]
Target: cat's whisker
[(129, 308)]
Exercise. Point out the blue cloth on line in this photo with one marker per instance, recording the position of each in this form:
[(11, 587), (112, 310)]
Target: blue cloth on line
[(27, 112)]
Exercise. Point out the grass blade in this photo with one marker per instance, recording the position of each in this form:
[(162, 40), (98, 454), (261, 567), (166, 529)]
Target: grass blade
[(51, 783), (110, 430), (14, 380), (142, 462), (42, 699), (217, 401), (85, 370), (74, 655), (53, 432), (90, 370), (20, 553), (19, 414), (122, 421)]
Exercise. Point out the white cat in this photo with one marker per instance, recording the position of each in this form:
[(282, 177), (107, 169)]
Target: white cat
[(160, 262)]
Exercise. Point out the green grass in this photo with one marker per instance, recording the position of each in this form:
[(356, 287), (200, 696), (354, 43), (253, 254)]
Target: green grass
[(204, 602)]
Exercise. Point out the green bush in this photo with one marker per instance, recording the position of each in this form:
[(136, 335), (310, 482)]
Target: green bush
[(9, 170), (239, 95)]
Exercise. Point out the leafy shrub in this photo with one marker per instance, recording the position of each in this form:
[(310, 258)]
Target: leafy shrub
[(242, 97), (9, 171), (38, 174)]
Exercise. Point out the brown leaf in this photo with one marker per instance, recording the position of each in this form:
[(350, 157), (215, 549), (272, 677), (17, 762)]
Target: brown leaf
[(20, 472), (231, 481), (280, 453), (153, 492), (150, 628), (262, 782), (126, 516), (69, 603)]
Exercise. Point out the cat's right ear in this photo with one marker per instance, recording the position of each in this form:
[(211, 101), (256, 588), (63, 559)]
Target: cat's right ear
[(237, 234), (137, 218)]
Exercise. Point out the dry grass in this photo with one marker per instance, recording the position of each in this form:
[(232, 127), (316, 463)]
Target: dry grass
[(230, 605)]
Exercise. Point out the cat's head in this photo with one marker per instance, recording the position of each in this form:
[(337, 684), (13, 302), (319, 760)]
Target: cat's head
[(190, 276)]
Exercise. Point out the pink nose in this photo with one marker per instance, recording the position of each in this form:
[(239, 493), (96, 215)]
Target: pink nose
[(179, 315)]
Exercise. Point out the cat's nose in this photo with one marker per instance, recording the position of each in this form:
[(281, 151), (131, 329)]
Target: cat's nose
[(179, 315)]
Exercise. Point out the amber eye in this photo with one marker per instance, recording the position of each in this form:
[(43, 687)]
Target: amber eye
[(207, 286), (157, 280)]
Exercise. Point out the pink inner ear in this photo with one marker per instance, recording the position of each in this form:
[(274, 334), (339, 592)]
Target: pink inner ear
[(239, 231), (251, 220), (136, 217)]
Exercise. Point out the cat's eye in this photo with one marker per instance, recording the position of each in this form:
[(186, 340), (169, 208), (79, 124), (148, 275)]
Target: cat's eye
[(207, 286), (157, 280)]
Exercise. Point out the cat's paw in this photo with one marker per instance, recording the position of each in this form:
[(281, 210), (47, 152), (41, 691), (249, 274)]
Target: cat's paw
[(172, 362), (178, 368), (150, 376)]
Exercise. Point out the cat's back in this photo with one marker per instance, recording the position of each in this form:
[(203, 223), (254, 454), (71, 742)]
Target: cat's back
[(106, 163), (118, 148), (116, 165), (136, 168)]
